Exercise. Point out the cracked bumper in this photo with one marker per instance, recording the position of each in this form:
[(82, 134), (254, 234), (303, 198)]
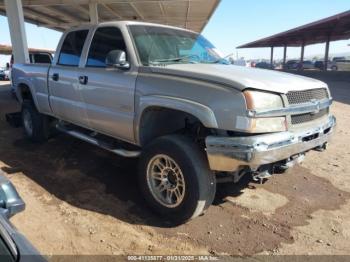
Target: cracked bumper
[(230, 153)]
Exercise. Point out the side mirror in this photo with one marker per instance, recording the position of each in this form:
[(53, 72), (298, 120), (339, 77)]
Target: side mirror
[(117, 59), (10, 200)]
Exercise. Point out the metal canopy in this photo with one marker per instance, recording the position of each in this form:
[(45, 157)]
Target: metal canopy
[(333, 28), (7, 50), (63, 14)]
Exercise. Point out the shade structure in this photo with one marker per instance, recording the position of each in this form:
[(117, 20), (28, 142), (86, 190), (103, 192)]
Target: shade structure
[(7, 50), (63, 14), (332, 28)]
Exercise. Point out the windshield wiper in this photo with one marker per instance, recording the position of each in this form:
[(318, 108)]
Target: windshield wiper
[(175, 59)]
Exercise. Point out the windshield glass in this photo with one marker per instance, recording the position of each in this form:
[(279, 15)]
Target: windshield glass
[(160, 45)]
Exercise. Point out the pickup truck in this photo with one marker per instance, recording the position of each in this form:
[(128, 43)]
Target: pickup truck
[(166, 96)]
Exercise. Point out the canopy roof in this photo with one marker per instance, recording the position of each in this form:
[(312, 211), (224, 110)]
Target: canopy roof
[(62, 14), (7, 50), (333, 28)]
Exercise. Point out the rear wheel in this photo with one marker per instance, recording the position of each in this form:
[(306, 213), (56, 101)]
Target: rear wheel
[(36, 125), (175, 178)]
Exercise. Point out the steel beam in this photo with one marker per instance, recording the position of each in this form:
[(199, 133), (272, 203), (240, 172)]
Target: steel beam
[(14, 12), (93, 8), (326, 56), (284, 55), (302, 56), (271, 58)]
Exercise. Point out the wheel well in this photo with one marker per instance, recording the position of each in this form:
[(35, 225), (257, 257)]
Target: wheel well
[(159, 121), (25, 92)]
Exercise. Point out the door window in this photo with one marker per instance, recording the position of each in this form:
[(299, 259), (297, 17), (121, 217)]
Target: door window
[(106, 39), (42, 58), (72, 48)]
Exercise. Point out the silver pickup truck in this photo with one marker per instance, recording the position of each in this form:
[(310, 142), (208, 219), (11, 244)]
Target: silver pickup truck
[(167, 96)]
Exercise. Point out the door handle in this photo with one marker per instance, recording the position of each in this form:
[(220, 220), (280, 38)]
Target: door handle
[(55, 77), (83, 80)]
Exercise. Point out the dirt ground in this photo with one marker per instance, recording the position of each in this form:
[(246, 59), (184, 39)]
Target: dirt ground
[(83, 200)]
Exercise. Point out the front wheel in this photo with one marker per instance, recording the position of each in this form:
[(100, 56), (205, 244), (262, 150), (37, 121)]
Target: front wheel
[(175, 178)]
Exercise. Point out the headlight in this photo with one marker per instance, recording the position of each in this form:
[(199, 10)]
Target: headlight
[(256, 101), (261, 100)]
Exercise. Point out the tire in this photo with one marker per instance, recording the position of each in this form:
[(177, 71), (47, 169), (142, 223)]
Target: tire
[(334, 68), (36, 125), (199, 188)]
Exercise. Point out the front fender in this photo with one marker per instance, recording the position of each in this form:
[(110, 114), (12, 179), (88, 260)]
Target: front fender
[(200, 111)]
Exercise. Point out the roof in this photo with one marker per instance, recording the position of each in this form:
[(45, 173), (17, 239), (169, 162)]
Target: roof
[(127, 23), (334, 28), (63, 14), (7, 50)]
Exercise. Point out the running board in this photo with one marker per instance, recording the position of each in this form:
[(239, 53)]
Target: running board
[(96, 142)]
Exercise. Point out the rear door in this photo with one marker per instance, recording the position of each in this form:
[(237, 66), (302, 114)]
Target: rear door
[(65, 98), (108, 92)]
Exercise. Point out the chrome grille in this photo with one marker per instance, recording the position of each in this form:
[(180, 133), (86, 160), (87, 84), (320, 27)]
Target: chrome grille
[(299, 97), (304, 118)]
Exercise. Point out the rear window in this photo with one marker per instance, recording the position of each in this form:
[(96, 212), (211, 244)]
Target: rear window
[(72, 48), (42, 58)]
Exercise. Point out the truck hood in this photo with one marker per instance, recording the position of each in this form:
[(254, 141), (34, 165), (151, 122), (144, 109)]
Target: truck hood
[(242, 77)]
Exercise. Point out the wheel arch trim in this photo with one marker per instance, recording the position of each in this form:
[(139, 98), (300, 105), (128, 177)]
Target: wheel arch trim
[(204, 114)]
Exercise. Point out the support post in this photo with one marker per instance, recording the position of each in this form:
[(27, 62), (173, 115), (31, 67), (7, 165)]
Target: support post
[(284, 56), (301, 67), (326, 56), (93, 9), (271, 58), (14, 13)]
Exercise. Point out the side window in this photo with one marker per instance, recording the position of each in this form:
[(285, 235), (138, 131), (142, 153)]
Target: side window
[(42, 59), (72, 47), (105, 40)]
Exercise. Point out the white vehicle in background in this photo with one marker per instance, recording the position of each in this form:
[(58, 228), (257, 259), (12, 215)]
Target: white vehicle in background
[(7, 74), (237, 62)]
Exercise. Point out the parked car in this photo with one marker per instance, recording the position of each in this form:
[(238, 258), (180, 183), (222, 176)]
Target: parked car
[(163, 94), (342, 65), (330, 65), (13, 245), (2, 75), (292, 64), (307, 65), (338, 58), (264, 65)]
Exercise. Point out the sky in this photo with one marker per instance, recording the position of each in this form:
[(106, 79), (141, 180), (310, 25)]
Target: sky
[(235, 22)]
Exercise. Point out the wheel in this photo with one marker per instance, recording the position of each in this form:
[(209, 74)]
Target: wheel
[(175, 178), (334, 68), (36, 125)]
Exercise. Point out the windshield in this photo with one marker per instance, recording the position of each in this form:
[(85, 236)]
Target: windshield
[(160, 45)]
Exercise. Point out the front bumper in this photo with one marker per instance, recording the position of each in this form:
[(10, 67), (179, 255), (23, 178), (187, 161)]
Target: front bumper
[(230, 153)]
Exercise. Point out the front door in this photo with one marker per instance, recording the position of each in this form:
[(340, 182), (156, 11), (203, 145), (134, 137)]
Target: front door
[(108, 92)]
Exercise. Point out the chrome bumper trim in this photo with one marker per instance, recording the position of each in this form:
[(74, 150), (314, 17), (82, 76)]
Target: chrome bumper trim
[(229, 153)]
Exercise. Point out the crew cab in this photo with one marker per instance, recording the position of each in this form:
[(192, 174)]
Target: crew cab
[(166, 96)]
